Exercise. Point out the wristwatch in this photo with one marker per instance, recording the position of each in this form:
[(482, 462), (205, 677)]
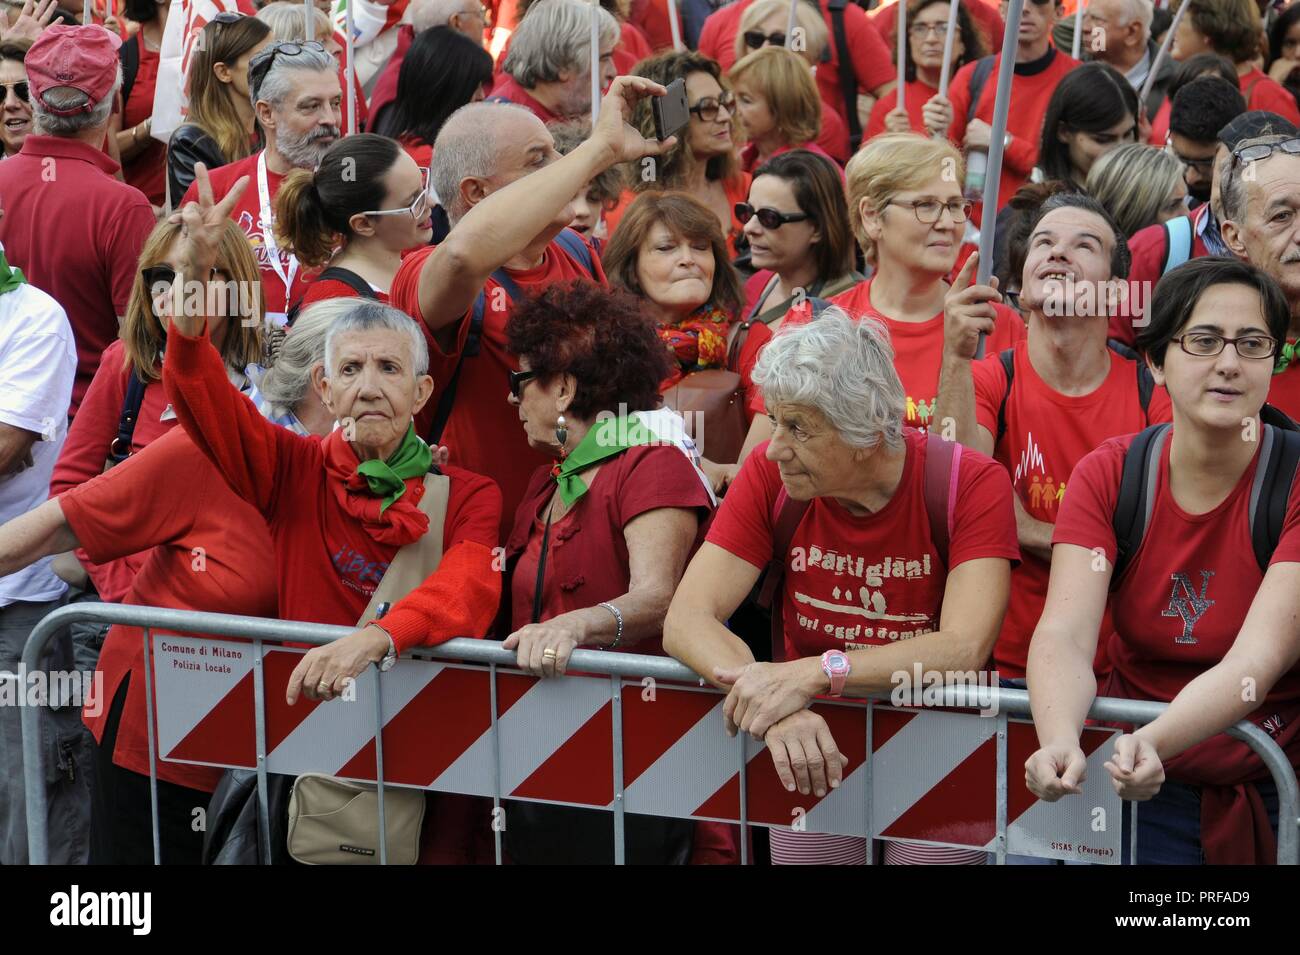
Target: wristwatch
[(836, 667)]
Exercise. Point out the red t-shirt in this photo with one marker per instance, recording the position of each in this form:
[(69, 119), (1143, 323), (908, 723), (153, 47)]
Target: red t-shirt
[(749, 160), (1182, 600), (140, 508), (319, 290), (76, 232), (1284, 391), (1047, 435), (587, 559), (1149, 249), (918, 346), (987, 21), (247, 214), (385, 89), (89, 439), (507, 88), (1160, 123), (1264, 92), (652, 18), (147, 171), (418, 150), (329, 564), (915, 95), (870, 580), (1030, 92), (872, 64), (483, 432), (632, 48)]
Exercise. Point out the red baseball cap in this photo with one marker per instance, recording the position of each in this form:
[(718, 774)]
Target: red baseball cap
[(82, 58)]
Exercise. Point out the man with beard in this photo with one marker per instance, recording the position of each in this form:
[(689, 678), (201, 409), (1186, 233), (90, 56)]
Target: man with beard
[(296, 93), (1260, 196), (547, 69)]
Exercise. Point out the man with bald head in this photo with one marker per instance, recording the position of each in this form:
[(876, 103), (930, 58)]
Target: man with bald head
[(1260, 195), (508, 196)]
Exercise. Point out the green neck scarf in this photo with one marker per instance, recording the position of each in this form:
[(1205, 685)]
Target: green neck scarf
[(607, 438), (1286, 356), (387, 479), (10, 277)]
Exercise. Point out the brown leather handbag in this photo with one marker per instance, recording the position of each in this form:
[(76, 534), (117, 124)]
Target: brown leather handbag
[(713, 403)]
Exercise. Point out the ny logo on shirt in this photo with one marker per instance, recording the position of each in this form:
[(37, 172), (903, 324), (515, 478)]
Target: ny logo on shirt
[(1187, 603)]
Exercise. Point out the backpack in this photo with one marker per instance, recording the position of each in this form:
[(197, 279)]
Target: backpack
[(978, 80), (1146, 383), (939, 488), (338, 274), (578, 250), (1279, 458), (1179, 237), (129, 55)]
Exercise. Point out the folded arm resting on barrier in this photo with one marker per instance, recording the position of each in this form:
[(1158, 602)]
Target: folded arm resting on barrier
[(39, 533)]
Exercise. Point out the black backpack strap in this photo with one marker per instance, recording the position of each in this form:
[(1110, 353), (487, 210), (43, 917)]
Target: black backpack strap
[(339, 274), (120, 449), (848, 79), (1270, 492), (1137, 493), (978, 80), (1146, 381), (129, 54), (1008, 359)]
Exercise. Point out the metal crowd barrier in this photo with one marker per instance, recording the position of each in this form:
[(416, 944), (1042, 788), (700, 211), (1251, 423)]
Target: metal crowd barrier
[(617, 666)]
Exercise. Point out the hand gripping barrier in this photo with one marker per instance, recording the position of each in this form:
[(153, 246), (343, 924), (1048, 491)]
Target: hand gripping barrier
[(922, 775)]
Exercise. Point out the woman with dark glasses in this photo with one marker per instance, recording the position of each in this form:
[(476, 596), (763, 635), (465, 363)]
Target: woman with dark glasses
[(703, 163), (355, 215), (17, 109), (125, 408)]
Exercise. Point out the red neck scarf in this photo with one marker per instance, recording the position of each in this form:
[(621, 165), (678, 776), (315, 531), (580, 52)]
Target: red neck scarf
[(400, 523)]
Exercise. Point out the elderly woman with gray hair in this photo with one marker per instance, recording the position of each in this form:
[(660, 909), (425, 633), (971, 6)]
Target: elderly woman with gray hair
[(891, 550)]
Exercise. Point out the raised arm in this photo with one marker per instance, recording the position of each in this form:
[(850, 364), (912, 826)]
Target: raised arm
[(1061, 682), (41, 532), (506, 222), (968, 312)]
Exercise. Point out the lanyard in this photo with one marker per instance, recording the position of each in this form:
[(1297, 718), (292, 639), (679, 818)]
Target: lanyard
[(268, 232)]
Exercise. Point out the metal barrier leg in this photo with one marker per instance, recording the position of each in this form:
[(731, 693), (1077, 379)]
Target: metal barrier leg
[(616, 712), (742, 779), (153, 749), (1000, 843), (34, 795), (867, 807), (1133, 833), (379, 766), (259, 728), (496, 763)]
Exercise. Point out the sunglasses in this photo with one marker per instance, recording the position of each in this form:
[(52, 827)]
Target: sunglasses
[(517, 379), (768, 218), (707, 108), (20, 90), (260, 65), (227, 16), (756, 38), (155, 275)]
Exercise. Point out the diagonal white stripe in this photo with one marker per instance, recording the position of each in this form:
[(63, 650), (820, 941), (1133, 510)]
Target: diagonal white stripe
[(544, 719), (841, 811), (695, 767), (918, 757), (184, 696), (336, 731)]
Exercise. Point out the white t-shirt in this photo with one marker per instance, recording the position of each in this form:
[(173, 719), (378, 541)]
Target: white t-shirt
[(38, 360)]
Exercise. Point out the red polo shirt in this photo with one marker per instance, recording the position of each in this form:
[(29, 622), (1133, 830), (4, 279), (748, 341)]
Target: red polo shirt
[(76, 232), (508, 89)]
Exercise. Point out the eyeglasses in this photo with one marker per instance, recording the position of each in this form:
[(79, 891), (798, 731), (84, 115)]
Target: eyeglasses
[(756, 38), (155, 275), (417, 210), (928, 211), (1207, 345), (1260, 151), (20, 90), (1204, 167), (517, 379), (260, 65), (768, 218), (922, 30), (707, 108)]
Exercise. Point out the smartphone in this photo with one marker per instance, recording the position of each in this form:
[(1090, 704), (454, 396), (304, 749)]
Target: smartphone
[(670, 111)]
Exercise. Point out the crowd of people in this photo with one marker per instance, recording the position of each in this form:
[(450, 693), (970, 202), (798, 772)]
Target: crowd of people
[(735, 393)]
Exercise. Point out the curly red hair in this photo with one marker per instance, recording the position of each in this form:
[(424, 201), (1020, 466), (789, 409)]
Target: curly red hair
[(599, 335)]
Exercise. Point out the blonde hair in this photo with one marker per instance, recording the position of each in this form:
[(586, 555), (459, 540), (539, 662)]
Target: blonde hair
[(142, 331), (890, 164), (786, 82), (1134, 182), (807, 16)]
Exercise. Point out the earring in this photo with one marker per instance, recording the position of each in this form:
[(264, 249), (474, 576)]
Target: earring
[(561, 433)]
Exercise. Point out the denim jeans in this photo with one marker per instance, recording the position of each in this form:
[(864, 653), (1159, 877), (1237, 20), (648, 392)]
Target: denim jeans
[(1169, 825)]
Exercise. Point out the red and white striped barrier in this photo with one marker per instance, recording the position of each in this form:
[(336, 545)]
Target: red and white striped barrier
[(932, 775)]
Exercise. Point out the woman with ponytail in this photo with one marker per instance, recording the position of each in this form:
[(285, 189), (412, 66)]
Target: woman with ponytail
[(364, 205)]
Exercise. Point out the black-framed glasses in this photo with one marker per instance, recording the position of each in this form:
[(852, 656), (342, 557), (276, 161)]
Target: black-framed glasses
[(418, 209), (928, 211), (20, 90), (517, 379), (1258, 151), (1204, 167), (260, 65), (767, 218), (1208, 345), (754, 39), (707, 108)]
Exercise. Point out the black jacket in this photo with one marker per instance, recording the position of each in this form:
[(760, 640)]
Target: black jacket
[(189, 145)]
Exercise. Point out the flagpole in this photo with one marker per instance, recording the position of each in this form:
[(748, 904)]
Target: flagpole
[(946, 72), (791, 23), (675, 26), (1078, 30), (1159, 60), (1001, 106), (350, 73), (902, 51), (595, 61), (309, 9)]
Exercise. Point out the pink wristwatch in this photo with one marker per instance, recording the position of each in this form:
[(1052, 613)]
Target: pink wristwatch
[(836, 667)]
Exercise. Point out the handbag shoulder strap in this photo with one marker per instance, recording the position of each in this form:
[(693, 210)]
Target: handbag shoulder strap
[(415, 561), (120, 449)]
